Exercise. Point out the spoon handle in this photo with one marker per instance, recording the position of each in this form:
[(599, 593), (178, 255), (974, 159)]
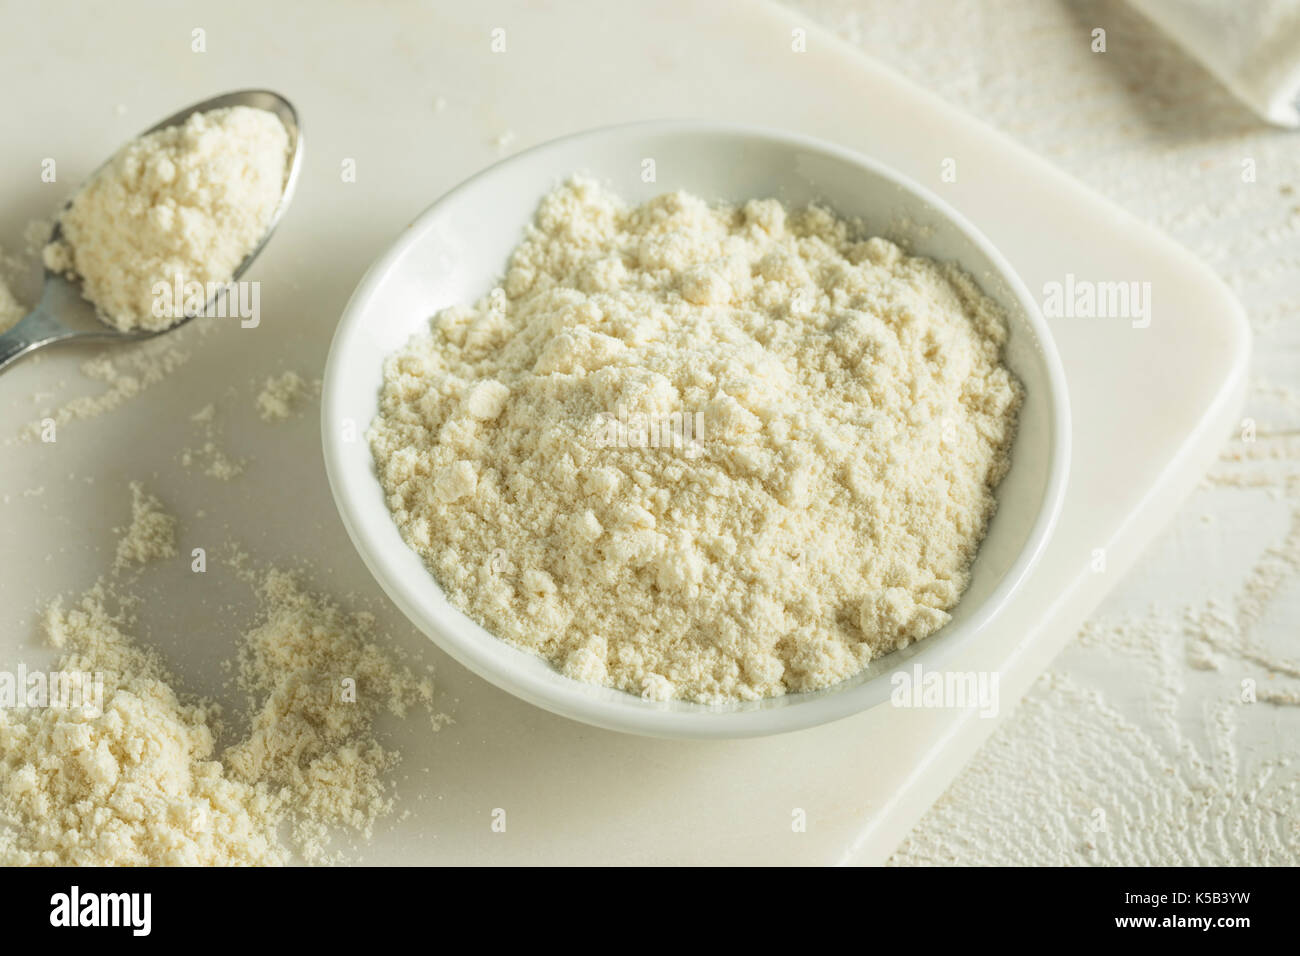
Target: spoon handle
[(36, 329)]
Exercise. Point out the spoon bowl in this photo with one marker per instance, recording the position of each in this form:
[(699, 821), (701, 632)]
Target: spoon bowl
[(63, 314)]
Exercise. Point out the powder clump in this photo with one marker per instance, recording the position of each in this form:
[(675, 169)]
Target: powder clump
[(152, 533), (134, 783), (317, 679), (134, 774), (281, 397), (704, 452)]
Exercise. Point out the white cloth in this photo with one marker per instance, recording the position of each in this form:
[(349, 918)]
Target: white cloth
[(1252, 46)]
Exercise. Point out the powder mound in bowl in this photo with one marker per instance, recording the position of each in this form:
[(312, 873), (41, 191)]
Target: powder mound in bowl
[(705, 452), (184, 204)]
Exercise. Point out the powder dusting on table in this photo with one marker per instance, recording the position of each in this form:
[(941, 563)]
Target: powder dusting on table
[(126, 374), (208, 454), (281, 397), (152, 532)]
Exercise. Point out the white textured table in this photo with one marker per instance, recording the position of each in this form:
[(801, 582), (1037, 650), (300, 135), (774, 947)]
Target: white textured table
[(1136, 746), (368, 84)]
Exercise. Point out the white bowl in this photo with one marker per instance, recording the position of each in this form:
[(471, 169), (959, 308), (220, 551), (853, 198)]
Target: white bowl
[(457, 249)]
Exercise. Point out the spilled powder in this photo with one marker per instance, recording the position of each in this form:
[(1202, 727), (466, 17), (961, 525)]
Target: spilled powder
[(136, 783), (1086, 776), (1167, 754), (317, 678), (142, 780), (281, 397), (125, 374), (207, 455), (152, 533)]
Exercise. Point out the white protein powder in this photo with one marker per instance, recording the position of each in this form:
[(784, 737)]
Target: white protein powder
[(190, 201), (281, 397), (852, 418), (140, 777), (151, 536)]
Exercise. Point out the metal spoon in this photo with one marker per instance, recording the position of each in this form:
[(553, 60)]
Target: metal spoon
[(62, 314)]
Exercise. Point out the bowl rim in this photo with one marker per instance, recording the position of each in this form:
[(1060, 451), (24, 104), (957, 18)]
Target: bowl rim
[(632, 716)]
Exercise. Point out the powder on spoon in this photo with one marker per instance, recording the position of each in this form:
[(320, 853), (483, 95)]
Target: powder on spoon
[(184, 204)]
